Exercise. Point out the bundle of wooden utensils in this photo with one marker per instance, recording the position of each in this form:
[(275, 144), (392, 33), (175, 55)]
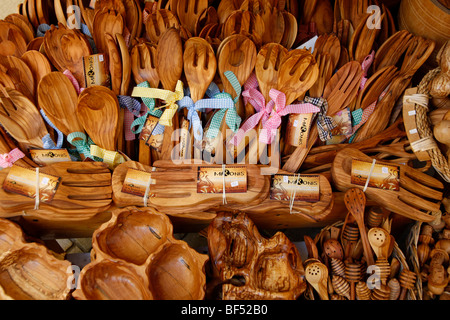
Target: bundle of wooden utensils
[(292, 113)]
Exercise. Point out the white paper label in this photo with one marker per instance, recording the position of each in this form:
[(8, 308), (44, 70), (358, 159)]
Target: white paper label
[(234, 184)]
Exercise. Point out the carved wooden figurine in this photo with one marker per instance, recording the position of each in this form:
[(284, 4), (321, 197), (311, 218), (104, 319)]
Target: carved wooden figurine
[(263, 268)]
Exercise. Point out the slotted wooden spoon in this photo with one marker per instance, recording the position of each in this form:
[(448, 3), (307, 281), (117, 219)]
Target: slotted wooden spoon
[(316, 273), (20, 117), (340, 90), (188, 12), (355, 201), (143, 63), (298, 72), (158, 22)]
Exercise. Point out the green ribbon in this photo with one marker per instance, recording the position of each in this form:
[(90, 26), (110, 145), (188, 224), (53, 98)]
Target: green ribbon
[(232, 119), (83, 144), (150, 103)]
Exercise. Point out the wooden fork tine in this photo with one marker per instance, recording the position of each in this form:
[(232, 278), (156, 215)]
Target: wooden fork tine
[(423, 178), (411, 185), (417, 202)]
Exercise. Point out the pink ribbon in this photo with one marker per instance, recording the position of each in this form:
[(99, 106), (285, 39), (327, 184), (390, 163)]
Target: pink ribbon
[(74, 81), (7, 160), (253, 96), (273, 123), (367, 62)]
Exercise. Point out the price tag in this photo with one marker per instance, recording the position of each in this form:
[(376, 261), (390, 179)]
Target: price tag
[(22, 181), (211, 179), (384, 176), (46, 157), (303, 188), (136, 183)]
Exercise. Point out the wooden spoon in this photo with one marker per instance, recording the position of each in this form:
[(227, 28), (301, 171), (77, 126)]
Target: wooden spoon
[(316, 273), (200, 66), (58, 98), (325, 73), (245, 23), (328, 43), (158, 22), (38, 63), (355, 201), (189, 11), (98, 112), (298, 72), (109, 21), (115, 63), (380, 241), (267, 67), (143, 63), (392, 50), (23, 24), (169, 67), (20, 74), (340, 90), (238, 54)]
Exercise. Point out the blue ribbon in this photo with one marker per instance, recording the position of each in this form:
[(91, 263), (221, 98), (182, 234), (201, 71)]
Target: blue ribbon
[(47, 142)]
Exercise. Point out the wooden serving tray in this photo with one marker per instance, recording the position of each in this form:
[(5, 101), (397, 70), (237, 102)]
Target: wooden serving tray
[(175, 188)]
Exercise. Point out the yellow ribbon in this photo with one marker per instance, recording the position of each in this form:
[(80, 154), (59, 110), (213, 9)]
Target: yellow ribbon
[(111, 158), (168, 96)]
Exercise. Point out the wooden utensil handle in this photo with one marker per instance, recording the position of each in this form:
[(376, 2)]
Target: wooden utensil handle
[(296, 159)]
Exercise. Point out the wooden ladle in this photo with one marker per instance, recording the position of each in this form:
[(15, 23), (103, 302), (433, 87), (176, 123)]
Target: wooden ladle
[(355, 201), (316, 273), (98, 112)]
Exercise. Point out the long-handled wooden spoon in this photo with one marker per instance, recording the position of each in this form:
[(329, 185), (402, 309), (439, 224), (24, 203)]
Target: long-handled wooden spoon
[(355, 201)]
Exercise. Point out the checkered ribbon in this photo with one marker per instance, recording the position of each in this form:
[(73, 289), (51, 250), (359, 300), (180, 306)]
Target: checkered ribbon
[(150, 106), (252, 95), (111, 158), (47, 142), (8, 159), (280, 109), (367, 62), (325, 124), (170, 97), (82, 143), (192, 116), (360, 117), (226, 105), (74, 81), (132, 108)]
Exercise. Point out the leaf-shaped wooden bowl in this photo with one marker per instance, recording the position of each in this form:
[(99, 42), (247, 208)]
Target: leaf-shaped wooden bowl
[(31, 272), (65, 49)]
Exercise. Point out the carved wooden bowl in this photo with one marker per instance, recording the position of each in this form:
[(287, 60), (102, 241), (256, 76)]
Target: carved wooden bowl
[(10, 235), (111, 280), (137, 247), (32, 273)]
